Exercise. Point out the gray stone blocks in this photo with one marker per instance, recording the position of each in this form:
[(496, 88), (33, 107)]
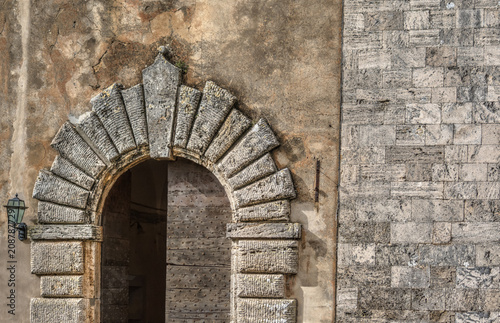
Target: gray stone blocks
[(56, 258), (267, 286), (61, 286), (51, 188), (273, 256), (44, 310), (262, 310)]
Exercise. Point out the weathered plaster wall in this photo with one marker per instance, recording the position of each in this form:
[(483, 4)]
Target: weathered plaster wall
[(420, 191), (280, 58)]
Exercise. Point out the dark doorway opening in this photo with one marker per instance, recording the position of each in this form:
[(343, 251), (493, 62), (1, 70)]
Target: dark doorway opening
[(165, 257)]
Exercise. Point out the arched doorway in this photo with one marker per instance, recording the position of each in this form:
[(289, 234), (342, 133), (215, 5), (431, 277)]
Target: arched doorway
[(164, 120)]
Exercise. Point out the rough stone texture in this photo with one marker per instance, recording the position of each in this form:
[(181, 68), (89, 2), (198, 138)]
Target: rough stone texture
[(268, 286), (259, 140), (262, 167), (187, 106), (54, 213), (266, 310), (274, 187), (279, 256), (65, 169), (66, 232), (51, 188), (263, 230), (71, 146), (45, 310), (161, 83), (61, 286), (133, 98), (236, 123), (56, 258), (272, 211), (109, 107), (91, 129), (214, 107)]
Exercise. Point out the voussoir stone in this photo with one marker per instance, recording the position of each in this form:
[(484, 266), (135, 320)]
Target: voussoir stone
[(133, 98), (215, 104), (261, 168), (187, 105), (65, 169), (61, 286), (255, 143), (70, 145), (263, 230), (267, 256), (161, 82), (51, 310), (236, 123), (270, 211), (254, 285), (91, 129), (57, 258), (274, 187), (55, 213), (51, 188), (251, 310)]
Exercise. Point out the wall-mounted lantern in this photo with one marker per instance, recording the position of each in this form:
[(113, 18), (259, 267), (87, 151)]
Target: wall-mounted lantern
[(15, 212)]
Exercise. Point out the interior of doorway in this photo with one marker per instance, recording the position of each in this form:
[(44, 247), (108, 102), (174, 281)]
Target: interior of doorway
[(164, 255)]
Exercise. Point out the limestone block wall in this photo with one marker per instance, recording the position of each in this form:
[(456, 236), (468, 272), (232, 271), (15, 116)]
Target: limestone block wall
[(420, 156)]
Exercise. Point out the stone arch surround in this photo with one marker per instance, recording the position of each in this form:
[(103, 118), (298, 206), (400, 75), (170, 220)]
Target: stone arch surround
[(163, 119)]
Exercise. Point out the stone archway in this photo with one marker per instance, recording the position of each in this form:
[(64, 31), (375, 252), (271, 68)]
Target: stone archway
[(163, 119)]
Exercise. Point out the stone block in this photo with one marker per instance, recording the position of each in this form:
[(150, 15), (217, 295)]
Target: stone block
[(455, 154), (349, 174), (408, 57), (466, 317), (423, 113), (109, 107), (411, 232), (261, 168), (462, 299), (443, 276), (56, 258), (263, 230), (272, 211), (266, 310), (460, 190), (444, 95), (416, 20), (396, 79), (70, 145), (469, 18), (376, 210), (484, 154), (418, 172), (65, 169), (478, 277), (490, 134), (114, 277), (383, 173), (396, 254), (445, 172), (364, 232), (482, 211), (266, 286), (430, 190), (476, 232), (362, 276), (470, 56), (66, 232), (472, 93), (493, 93), (363, 40), (232, 128), (161, 83), (354, 23), (133, 99), (490, 299), (377, 135), (385, 299), (410, 135), (457, 37), (383, 20), (379, 59), (51, 188), (356, 254), (488, 254), (457, 112), (61, 286), (467, 134), (355, 114), (492, 55), (487, 37), (488, 190), (45, 310), (215, 105), (429, 210), (365, 155), (441, 232), (442, 19), (473, 172), (440, 56), (91, 129), (493, 173), (428, 299), (449, 255), (255, 143), (55, 213), (424, 4), (347, 299), (274, 187), (273, 256), (411, 154), (366, 190), (410, 277), (422, 38)]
